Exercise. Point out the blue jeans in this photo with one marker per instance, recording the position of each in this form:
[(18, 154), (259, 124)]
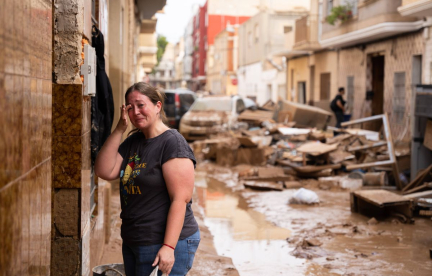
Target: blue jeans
[(138, 259)]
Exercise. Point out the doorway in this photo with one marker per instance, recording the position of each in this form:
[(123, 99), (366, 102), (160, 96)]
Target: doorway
[(378, 63), (301, 92)]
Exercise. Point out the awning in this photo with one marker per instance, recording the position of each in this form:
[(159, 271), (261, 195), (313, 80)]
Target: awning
[(291, 53)]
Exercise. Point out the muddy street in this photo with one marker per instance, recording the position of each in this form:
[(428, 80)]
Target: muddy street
[(264, 235)]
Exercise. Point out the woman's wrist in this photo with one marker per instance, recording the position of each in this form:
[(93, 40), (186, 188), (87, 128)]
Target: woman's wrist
[(167, 245)]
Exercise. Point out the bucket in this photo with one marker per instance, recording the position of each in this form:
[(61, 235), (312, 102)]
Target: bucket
[(109, 270), (347, 117)]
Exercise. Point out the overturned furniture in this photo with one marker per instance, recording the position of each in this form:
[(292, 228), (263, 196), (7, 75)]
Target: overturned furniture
[(388, 142), (381, 203)]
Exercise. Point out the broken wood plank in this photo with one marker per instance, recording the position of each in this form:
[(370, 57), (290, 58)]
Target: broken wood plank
[(369, 165), (424, 194), (374, 145), (419, 178), (316, 148), (308, 169), (338, 139), (270, 178), (263, 185), (419, 188), (270, 172)]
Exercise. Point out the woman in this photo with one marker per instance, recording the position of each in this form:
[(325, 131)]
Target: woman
[(156, 170)]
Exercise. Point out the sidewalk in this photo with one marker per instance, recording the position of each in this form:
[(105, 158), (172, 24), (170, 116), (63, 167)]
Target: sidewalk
[(206, 262)]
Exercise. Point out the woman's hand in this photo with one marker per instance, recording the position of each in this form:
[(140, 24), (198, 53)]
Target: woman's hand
[(123, 121), (165, 259)]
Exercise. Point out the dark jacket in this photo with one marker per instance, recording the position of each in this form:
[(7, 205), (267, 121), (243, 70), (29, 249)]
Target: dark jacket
[(102, 105)]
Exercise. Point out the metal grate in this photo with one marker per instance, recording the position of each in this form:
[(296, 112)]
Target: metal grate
[(399, 97)]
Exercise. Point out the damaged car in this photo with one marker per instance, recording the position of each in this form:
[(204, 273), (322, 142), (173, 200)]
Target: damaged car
[(211, 115)]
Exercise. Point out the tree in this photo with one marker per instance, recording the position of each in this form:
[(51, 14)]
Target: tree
[(161, 44)]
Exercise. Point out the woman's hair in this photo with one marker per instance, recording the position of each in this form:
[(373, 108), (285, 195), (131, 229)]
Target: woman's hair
[(153, 94)]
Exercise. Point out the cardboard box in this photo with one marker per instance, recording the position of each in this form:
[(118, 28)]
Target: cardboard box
[(303, 115)]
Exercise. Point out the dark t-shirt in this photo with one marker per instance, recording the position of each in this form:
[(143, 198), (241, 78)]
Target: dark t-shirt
[(333, 104), (143, 193)]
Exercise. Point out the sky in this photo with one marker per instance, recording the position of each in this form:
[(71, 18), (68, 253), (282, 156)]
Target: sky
[(177, 14)]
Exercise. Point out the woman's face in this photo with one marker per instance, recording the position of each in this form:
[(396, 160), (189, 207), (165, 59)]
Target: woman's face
[(142, 112)]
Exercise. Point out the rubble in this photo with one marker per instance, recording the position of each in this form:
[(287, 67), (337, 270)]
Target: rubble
[(285, 144)]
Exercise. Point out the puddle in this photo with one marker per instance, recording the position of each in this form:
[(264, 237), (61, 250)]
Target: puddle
[(252, 227), (256, 246)]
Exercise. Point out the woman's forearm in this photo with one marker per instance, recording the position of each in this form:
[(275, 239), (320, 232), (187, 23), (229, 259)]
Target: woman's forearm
[(106, 159), (175, 221)]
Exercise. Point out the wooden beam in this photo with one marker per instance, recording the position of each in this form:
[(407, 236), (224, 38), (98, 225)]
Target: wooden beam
[(374, 145), (369, 165)]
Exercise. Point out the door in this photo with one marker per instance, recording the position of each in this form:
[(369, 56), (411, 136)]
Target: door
[(378, 88), (301, 92), (325, 86)]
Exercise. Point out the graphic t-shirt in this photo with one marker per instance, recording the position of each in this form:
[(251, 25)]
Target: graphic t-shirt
[(145, 201)]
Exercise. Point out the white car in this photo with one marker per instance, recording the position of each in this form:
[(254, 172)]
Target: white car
[(210, 115)]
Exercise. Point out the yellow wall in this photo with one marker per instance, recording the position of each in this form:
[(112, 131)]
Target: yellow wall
[(325, 62), (298, 70)]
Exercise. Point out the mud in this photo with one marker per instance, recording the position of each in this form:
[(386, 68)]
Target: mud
[(264, 235), (206, 262)]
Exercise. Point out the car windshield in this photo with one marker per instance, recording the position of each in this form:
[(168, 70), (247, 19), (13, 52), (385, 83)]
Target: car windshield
[(212, 104)]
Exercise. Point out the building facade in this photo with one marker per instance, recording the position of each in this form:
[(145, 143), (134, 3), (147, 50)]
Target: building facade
[(382, 47), (223, 63), (262, 71)]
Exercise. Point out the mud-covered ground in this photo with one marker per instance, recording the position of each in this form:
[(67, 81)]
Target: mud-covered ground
[(247, 232), (264, 235), (206, 262)]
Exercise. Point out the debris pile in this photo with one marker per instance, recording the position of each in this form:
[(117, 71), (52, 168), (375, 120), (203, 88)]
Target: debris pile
[(286, 143)]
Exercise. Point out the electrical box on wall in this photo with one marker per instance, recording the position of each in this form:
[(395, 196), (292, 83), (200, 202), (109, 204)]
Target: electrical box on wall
[(88, 71)]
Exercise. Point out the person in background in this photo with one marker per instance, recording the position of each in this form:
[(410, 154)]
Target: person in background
[(156, 170), (337, 105)]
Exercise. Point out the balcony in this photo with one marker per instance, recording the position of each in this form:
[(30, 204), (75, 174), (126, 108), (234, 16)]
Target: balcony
[(416, 8), (372, 21), (306, 34)]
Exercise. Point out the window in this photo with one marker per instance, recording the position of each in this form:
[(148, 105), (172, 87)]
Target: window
[(249, 39), (329, 6), (350, 93), (94, 11), (352, 3), (256, 33), (287, 29), (206, 19), (399, 97)]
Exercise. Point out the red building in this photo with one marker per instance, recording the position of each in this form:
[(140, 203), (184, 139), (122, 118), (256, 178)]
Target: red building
[(206, 27)]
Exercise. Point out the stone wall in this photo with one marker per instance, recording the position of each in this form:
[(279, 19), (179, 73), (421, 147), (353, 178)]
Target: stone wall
[(71, 166)]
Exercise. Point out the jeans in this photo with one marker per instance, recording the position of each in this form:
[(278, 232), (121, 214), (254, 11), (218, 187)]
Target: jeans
[(339, 120), (138, 259)]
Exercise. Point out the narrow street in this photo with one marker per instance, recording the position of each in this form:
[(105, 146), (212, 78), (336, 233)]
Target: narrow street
[(247, 232), (306, 124)]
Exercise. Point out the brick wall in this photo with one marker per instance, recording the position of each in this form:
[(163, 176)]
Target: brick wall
[(398, 57)]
